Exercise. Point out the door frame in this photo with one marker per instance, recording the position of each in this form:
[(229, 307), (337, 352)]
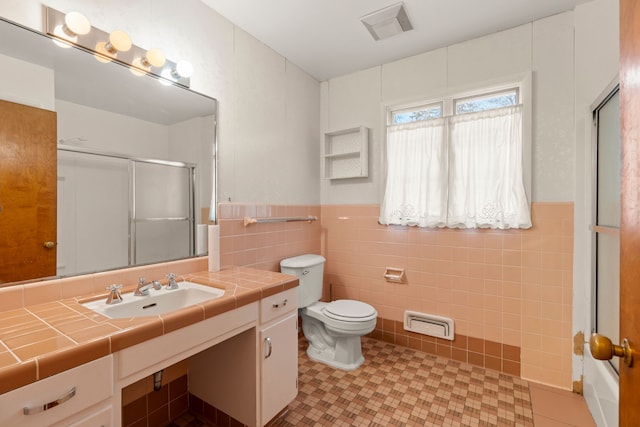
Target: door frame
[(599, 380)]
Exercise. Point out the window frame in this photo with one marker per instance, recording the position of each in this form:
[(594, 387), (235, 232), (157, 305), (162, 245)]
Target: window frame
[(521, 81)]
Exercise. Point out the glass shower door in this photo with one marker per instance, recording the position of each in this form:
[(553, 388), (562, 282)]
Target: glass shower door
[(607, 222), (93, 213), (163, 212), (601, 379)]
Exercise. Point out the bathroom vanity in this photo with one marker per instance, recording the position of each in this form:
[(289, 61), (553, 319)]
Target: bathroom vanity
[(241, 351)]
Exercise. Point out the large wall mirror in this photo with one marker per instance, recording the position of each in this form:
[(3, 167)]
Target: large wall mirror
[(134, 161)]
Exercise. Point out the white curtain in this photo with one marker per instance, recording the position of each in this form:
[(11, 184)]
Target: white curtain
[(485, 170), (459, 172), (417, 170)]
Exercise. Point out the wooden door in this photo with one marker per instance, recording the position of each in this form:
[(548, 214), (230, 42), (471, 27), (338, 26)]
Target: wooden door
[(630, 207), (28, 187)]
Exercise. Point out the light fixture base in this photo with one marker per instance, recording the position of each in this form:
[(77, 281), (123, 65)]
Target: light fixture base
[(130, 58)]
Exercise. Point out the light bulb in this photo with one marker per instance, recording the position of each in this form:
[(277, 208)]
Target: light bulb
[(102, 54), (59, 32), (119, 41), (154, 58), (168, 75), (137, 66), (76, 23), (183, 69)]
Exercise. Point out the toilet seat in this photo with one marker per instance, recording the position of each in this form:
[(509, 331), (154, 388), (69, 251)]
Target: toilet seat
[(349, 311), (343, 324)]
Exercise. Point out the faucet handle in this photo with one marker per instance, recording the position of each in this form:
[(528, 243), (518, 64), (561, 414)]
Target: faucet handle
[(172, 281), (114, 296), (141, 280)]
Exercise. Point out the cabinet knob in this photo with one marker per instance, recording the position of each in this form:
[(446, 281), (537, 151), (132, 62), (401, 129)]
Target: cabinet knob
[(282, 304), (49, 245)]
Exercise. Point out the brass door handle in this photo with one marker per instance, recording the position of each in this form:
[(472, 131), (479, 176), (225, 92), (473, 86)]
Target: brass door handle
[(603, 349), (49, 245)]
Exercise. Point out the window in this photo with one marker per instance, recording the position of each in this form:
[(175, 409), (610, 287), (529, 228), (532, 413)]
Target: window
[(424, 112), (457, 162), (486, 102)]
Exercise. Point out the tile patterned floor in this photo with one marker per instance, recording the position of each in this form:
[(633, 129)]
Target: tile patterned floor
[(398, 386)]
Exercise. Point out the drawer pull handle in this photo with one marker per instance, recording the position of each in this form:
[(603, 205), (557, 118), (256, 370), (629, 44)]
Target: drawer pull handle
[(267, 340), (59, 401), (283, 304)]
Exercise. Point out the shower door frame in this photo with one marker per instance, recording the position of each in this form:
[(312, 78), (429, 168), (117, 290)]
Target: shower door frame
[(131, 214)]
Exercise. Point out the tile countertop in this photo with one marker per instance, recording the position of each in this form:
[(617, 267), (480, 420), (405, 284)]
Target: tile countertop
[(42, 340)]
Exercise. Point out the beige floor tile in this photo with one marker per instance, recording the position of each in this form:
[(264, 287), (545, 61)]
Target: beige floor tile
[(399, 386), (404, 387), (559, 405)]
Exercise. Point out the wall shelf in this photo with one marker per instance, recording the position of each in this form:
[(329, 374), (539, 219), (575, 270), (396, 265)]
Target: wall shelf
[(346, 153)]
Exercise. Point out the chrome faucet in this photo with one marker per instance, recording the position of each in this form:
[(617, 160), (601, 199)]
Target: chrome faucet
[(143, 288), (172, 281), (114, 296)]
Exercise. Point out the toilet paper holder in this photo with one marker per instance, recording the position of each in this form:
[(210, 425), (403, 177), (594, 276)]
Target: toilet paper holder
[(395, 275)]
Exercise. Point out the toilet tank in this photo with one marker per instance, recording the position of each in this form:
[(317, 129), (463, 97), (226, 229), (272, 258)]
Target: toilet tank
[(309, 269)]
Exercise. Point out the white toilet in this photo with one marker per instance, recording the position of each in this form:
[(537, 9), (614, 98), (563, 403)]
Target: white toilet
[(332, 329)]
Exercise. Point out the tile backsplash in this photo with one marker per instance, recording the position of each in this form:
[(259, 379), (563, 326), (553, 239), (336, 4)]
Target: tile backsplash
[(23, 295)]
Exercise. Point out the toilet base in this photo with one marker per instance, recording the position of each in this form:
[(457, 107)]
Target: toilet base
[(342, 352), (338, 358)]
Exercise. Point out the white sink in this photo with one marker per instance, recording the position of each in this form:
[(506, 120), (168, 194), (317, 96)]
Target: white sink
[(157, 302)]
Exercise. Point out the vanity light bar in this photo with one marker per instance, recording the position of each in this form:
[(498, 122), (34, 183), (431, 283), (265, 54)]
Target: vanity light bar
[(119, 49)]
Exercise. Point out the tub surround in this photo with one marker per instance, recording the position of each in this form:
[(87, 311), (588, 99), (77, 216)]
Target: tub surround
[(49, 337)]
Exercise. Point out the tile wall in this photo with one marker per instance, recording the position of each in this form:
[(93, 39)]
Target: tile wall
[(502, 288), (143, 406), (509, 292), (264, 245)]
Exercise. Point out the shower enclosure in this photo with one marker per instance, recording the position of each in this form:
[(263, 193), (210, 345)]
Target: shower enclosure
[(116, 211)]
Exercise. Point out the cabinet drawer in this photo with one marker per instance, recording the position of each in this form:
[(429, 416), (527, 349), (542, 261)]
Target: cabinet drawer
[(92, 382), (277, 305), (100, 418)]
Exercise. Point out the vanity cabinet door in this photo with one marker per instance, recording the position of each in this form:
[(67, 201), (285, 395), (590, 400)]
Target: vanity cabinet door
[(279, 374)]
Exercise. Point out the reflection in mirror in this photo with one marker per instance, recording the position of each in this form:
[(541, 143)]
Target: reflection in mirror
[(113, 128)]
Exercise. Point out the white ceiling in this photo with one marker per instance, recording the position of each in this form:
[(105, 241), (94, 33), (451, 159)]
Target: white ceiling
[(326, 38)]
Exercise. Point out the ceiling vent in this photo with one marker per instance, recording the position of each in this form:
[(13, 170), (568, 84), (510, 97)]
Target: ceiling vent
[(387, 22)]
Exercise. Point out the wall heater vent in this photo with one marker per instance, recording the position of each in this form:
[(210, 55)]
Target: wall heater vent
[(428, 324)]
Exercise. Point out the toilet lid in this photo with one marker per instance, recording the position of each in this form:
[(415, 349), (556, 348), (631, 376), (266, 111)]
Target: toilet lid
[(350, 309)]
